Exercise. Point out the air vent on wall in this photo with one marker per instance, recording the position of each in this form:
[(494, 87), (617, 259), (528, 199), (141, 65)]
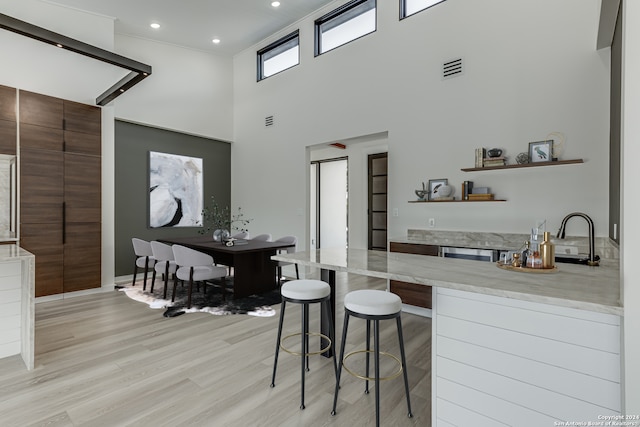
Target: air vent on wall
[(268, 121), (452, 69)]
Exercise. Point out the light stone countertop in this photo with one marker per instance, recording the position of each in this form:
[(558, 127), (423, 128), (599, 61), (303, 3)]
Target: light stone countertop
[(577, 286), (12, 252)]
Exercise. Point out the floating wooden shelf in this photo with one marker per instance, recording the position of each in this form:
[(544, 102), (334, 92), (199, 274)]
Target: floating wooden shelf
[(524, 165), (455, 201)]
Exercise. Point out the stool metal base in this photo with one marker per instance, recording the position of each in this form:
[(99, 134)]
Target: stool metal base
[(396, 374), (304, 334), (309, 353), (376, 353)]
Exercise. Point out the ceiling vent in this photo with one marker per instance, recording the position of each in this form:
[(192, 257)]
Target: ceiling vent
[(268, 121), (453, 68)]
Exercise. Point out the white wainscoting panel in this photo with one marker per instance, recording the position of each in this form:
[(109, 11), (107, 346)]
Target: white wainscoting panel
[(512, 362)]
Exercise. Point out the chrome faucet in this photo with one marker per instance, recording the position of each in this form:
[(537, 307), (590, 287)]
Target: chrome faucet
[(592, 257)]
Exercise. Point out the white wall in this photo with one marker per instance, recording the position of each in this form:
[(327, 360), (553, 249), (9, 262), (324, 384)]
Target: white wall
[(630, 225), (188, 91), (531, 69)]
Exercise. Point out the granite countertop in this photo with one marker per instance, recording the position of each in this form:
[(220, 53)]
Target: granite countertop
[(11, 252), (577, 286)]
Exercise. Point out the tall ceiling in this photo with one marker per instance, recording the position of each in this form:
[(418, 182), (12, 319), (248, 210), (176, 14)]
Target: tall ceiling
[(239, 24)]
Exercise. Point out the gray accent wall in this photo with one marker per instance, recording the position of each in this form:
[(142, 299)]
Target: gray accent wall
[(132, 145)]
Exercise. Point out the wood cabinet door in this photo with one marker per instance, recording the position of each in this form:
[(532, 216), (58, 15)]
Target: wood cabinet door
[(7, 103), (41, 138), (41, 186), (413, 293), (82, 118), (41, 110), (82, 188), (8, 130), (8, 137), (83, 143), (44, 240), (82, 256)]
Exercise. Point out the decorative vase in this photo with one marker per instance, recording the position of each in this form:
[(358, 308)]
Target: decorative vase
[(445, 191), (220, 234)]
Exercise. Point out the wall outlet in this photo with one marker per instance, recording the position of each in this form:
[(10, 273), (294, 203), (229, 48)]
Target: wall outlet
[(395, 211), (432, 222)]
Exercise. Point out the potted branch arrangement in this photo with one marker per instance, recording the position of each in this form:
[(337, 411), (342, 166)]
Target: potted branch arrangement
[(222, 221)]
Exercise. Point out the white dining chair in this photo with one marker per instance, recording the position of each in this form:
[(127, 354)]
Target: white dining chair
[(165, 263), (293, 240), (262, 237), (144, 259), (195, 266)]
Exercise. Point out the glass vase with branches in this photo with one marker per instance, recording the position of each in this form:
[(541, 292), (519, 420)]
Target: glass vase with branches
[(216, 217)]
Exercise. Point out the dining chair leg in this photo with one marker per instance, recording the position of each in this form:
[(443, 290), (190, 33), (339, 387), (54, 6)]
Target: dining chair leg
[(153, 279), (297, 274), (135, 270), (166, 279), (189, 293), (175, 285), (146, 270)]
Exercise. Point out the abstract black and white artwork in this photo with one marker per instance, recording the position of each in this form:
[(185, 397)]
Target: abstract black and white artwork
[(175, 190)]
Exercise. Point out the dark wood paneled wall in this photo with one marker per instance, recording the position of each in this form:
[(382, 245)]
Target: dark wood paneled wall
[(8, 126), (60, 191)]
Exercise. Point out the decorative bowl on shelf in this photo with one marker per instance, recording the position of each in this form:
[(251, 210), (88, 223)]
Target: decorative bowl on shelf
[(494, 152), (422, 194)]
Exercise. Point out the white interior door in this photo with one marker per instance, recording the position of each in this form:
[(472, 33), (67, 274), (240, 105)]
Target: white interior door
[(329, 204)]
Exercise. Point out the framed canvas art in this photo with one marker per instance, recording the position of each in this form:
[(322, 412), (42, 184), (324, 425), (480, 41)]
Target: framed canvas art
[(175, 190)]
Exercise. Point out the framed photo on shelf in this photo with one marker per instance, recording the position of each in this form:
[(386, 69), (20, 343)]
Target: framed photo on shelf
[(541, 151), (434, 185)]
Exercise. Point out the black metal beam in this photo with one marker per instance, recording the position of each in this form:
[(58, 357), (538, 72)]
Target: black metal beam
[(139, 71)]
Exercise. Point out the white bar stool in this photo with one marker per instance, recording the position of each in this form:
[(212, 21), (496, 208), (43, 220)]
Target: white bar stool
[(373, 305), (305, 292)]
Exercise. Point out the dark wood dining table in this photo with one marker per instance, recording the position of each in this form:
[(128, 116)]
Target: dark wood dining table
[(253, 270)]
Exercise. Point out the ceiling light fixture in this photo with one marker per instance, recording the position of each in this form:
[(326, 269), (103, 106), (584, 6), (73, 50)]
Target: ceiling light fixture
[(216, 41), (275, 3), (155, 25)]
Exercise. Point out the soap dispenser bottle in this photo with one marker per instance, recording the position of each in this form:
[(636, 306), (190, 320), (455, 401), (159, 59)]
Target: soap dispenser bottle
[(547, 252)]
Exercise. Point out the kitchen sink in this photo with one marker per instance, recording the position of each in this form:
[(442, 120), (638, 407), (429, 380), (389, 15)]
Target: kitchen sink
[(575, 258)]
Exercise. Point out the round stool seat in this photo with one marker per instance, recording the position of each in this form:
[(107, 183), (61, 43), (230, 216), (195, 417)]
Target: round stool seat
[(305, 289), (373, 302)]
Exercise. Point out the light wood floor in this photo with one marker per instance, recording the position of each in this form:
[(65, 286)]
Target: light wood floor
[(105, 360)]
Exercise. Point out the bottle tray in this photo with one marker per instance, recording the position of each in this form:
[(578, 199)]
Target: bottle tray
[(510, 267)]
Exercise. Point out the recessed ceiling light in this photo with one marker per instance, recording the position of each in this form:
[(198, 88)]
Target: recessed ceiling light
[(275, 3), (216, 41), (155, 25)]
